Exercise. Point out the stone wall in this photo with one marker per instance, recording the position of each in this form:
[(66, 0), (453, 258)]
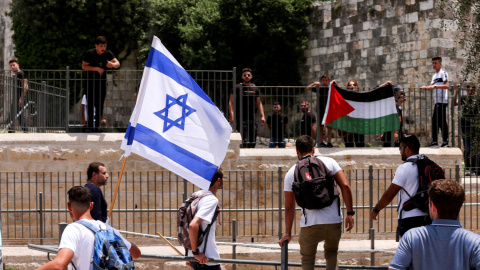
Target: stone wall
[(373, 41), (24, 152)]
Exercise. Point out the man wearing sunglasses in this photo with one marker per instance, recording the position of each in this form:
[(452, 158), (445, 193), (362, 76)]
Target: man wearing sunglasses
[(247, 104)]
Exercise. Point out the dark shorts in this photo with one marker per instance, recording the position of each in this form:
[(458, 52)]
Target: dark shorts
[(198, 266)]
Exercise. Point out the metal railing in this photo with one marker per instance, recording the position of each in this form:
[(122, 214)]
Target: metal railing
[(59, 103), (148, 202)]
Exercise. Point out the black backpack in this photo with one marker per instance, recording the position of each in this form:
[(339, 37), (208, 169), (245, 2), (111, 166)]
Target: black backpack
[(428, 171), (314, 184)]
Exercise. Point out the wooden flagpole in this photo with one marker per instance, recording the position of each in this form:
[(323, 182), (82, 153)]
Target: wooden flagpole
[(170, 244), (117, 188)]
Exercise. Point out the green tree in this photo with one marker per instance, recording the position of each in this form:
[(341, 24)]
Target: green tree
[(55, 34), (268, 36)]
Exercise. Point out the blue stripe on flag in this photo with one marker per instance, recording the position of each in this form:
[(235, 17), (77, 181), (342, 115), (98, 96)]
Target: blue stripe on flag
[(130, 134), (160, 62), (190, 161)]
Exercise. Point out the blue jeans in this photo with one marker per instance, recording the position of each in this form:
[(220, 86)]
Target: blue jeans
[(274, 142)]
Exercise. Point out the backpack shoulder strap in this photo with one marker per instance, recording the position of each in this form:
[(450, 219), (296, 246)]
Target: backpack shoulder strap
[(89, 226)]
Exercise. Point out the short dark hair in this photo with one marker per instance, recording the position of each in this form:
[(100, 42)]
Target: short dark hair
[(276, 103), (437, 58), (101, 40), (397, 88), (80, 197), (13, 60), (218, 174), (325, 76), (304, 144), (93, 168), (411, 141), (246, 70), (448, 196)]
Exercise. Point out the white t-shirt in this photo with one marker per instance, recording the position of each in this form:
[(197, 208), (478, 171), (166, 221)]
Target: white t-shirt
[(84, 102), (205, 210), (439, 78), (406, 176), (80, 240), (327, 215)]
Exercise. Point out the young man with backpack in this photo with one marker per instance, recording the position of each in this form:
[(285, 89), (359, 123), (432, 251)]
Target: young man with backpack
[(78, 242), (324, 222), (196, 224), (411, 181)]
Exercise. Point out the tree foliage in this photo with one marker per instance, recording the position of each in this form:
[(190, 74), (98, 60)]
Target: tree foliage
[(53, 34), (268, 36), (464, 17)]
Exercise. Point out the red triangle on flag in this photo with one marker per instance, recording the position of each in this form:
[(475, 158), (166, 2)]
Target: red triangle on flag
[(338, 106)]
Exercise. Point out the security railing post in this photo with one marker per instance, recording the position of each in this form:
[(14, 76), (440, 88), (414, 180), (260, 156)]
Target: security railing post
[(40, 211), (319, 120), (280, 228), (67, 99), (42, 111), (185, 189), (452, 113), (284, 259), (370, 183), (61, 228), (13, 111), (457, 173), (235, 118), (234, 240), (372, 246)]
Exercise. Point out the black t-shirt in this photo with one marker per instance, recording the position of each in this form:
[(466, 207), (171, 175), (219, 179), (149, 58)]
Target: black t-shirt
[(249, 94), (97, 60), (99, 210), (20, 83), (277, 122), (306, 124)]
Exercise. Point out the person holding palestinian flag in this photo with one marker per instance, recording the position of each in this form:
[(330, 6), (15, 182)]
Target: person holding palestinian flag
[(361, 113)]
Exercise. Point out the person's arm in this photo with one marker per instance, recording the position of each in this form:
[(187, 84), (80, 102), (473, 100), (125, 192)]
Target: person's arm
[(114, 63), (312, 85), (314, 131), (259, 105), (385, 83), (135, 251), (387, 197), (60, 262), (86, 66), (230, 109), (455, 96), (347, 198), (289, 216), (193, 230)]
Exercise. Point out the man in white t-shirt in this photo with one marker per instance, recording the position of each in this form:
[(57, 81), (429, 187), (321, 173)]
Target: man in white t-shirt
[(77, 243), (440, 85), (405, 179), (207, 206), (321, 224)]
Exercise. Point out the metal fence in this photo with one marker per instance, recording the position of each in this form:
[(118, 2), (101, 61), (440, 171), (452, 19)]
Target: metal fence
[(64, 89), (33, 203)]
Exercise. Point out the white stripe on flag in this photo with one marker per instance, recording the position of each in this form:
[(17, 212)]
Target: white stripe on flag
[(174, 123), (374, 109)]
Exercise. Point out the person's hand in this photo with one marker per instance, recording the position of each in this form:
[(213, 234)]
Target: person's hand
[(110, 64), (104, 122), (373, 215), (201, 258), (286, 237), (20, 102), (100, 70), (349, 222), (263, 121)]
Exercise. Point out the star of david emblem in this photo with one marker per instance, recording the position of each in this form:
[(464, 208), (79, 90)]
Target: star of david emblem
[(179, 122)]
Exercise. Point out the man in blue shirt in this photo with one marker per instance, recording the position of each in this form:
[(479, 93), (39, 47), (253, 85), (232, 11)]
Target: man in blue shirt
[(444, 244)]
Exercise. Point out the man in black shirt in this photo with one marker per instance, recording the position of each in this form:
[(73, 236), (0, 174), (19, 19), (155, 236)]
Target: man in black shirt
[(97, 177), (245, 109), (21, 87), (308, 124), (278, 125), (95, 62)]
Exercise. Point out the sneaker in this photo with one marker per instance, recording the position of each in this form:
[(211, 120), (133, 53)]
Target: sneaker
[(467, 173), (472, 173), (444, 144), (434, 144), (322, 145), (329, 145)]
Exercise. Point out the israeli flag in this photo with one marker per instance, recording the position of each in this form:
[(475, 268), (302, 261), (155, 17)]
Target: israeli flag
[(174, 123)]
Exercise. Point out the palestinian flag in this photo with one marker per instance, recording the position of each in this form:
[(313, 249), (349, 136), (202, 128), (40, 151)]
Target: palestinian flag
[(371, 112)]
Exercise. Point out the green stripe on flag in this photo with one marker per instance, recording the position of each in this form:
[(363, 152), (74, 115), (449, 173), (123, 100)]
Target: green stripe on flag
[(366, 126)]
